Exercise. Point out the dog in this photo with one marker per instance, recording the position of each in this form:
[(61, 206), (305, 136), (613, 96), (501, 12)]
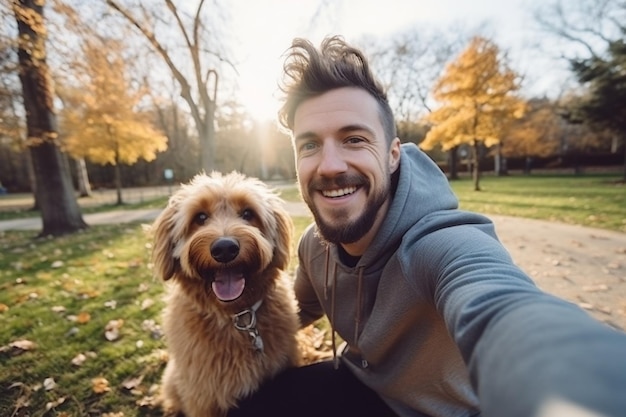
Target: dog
[(223, 244)]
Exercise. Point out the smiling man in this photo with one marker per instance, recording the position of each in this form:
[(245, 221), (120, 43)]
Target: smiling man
[(436, 318), (344, 164)]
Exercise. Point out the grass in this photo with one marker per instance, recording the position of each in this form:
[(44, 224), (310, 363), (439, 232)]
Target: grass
[(595, 200), (60, 295)]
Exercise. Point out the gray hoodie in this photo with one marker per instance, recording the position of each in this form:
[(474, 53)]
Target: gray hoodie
[(435, 311)]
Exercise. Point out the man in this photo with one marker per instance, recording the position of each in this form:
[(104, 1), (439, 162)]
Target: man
[(436, 318)]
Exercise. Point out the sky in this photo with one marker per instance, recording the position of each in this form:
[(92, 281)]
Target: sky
[(263, 30)]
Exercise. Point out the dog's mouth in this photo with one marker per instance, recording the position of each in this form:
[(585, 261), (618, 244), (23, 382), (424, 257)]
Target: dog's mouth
[(228, 284)]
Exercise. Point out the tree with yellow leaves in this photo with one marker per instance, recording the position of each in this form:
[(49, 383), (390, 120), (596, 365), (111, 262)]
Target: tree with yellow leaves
[(101, 120), (477, 101), (537, 134)]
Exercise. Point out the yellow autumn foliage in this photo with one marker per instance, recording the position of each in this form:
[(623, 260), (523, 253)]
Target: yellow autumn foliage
[(476, 96), (100, 120)]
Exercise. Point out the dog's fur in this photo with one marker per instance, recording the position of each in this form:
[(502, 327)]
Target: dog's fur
[(212, 364)]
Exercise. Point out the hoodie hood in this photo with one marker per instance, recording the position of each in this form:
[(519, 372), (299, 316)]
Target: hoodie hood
[(421, 180)]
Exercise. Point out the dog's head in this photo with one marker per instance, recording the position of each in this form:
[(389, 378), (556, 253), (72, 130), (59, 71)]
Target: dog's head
[(223, 233)]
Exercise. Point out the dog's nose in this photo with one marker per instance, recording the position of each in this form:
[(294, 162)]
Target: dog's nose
[(225, 249)]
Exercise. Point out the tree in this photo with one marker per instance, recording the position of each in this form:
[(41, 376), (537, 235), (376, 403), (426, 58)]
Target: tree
[(592, 34), (536, 134), (604, 105), (477, 101), (101, 120), (54, 192), (205, 81)]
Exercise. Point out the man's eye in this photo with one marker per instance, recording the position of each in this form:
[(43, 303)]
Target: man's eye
[(354, 139), (247, 215), (309, 146), (200, 218)]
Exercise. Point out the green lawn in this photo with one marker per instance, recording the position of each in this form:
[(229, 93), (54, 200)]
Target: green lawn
[(57, 297), (590, 200)]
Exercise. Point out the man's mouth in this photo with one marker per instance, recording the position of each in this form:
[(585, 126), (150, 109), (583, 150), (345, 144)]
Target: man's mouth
[(341, 192)]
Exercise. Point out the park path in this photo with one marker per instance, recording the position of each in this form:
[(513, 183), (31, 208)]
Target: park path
[(586, 266)]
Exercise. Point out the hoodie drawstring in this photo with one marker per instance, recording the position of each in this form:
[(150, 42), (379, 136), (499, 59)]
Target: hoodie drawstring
[(359, 305), (332, 304)]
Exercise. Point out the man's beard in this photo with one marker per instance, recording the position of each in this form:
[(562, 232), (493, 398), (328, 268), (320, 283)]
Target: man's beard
[(345, 231)]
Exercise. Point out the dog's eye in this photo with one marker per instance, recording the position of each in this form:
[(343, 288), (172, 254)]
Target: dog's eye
[(200, 218), (247, 214)]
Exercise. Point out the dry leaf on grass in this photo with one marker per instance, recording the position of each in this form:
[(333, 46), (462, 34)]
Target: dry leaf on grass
[(57, 264), (83, 317), (55, 403), (18, 347), (100, 385), (58, 309), (132, 383), (112, 329), (79, 359), (49, 384)]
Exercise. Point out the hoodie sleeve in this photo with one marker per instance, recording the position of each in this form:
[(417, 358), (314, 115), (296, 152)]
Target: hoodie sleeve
[(310, 308), (528, 352)]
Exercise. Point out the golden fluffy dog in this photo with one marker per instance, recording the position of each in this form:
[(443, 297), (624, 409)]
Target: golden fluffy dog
[(230, 322)]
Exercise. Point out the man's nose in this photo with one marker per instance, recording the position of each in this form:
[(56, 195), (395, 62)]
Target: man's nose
[(332, 161)]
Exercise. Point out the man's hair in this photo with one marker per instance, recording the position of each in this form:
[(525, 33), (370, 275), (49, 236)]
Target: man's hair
[(309, 72)]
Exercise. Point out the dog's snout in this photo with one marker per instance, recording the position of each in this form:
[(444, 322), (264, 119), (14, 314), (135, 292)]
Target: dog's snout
[(225, 249)]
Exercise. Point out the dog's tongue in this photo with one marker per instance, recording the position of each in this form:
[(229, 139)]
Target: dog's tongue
[(228, 285)]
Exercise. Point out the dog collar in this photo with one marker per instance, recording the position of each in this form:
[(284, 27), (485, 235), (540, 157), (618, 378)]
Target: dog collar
[(245, 321)]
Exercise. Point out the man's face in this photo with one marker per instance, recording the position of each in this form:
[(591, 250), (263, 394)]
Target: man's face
[(344, 165)]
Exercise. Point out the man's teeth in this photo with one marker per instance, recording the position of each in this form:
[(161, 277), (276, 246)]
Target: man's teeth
[(339, 193)]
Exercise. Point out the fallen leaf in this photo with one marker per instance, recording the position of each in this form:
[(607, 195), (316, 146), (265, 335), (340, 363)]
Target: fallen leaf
[(58, 309), (23, 344), (110, 304), (100, 385), (112, 329), (79, 359), (83, 317), (131, 383), (57, 264), (3, 308), (147, 303), (55, 403), (49, 384)]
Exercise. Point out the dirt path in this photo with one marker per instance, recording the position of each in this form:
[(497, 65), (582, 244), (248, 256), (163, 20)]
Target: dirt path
[(584, 265)]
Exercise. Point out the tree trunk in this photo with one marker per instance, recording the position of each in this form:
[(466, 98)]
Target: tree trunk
[(118, 183), (54, 192), (476, 168), (453, 163), (84, 188), (31, 177), (624, 177), (500, 162)]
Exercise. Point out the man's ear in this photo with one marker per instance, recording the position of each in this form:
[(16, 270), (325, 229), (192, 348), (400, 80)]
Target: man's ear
[(394, 155)]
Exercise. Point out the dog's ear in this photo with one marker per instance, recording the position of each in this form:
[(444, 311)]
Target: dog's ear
[(284, 235), (165, 265)]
